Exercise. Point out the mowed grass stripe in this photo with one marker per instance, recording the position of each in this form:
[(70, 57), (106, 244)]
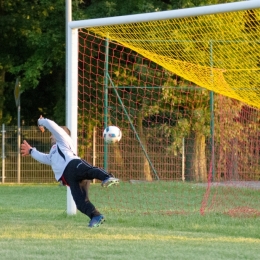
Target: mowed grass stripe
[(203, 237)]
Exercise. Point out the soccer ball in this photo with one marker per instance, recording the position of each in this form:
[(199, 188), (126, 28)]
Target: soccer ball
[(112, 134)]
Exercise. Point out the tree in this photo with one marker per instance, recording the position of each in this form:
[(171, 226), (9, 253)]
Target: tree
[(192, 123), (33, 47)]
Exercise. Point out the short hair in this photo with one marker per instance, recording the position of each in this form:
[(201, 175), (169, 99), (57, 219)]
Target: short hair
[(66, 129)]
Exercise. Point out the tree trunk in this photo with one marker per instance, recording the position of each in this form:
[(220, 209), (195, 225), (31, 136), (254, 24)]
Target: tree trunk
[(199, 161), (146, 166), (196, 165)]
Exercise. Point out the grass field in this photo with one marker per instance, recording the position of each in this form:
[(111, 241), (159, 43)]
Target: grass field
[(34, 225)]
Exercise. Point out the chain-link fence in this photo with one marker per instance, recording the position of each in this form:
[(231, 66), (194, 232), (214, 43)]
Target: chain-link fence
[(29, 170), (123, 161)]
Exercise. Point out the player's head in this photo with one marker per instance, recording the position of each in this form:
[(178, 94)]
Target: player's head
[(53, 140), (65, 128)]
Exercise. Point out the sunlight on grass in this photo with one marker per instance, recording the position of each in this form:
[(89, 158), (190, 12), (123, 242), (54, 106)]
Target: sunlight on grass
[(88, 235)]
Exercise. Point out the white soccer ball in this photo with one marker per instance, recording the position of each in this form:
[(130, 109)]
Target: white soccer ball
[(112, 134)]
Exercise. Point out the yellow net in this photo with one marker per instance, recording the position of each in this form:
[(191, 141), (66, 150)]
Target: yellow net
[(219, 52)]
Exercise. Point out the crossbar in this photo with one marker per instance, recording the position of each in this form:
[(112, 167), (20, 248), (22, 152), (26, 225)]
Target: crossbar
[(164, 15)]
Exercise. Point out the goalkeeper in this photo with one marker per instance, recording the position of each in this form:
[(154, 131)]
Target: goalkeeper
[(69, 169)]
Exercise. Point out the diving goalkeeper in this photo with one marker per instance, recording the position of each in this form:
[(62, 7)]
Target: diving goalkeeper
[(70, 169)]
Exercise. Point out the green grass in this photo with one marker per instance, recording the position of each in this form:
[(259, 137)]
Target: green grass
[(34, 225)]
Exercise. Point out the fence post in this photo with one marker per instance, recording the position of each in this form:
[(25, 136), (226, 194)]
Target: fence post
[(183, 160), (18, 147), (3, 153)]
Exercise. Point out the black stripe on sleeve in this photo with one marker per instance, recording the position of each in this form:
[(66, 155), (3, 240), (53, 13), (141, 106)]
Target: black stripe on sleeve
[(61, 153)]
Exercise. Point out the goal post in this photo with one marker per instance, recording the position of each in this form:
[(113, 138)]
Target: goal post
[(71, 90), (152, 77)]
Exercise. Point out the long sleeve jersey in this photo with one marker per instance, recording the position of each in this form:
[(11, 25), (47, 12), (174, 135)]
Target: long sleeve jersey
[(61, 153)]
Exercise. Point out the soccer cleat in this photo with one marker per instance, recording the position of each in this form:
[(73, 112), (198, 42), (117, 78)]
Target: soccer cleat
[(110, 181), (96, 221)]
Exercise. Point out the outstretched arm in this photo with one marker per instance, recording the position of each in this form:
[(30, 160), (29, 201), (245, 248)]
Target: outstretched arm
[(59, 133), (26, 149), (40, 126)]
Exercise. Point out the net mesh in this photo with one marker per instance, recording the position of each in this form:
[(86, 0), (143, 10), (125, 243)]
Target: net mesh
[(219, 52), (203, 148)]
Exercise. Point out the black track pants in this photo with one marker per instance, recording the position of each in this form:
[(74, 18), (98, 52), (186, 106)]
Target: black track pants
[(77, 171)]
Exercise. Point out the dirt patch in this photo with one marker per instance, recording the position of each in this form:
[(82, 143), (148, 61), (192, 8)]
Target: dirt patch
[(243, 212)]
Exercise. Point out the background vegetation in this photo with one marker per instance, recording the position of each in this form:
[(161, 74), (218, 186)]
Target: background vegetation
[(33, 48)]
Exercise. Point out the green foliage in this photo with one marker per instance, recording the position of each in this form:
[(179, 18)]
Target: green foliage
[(38, 39), (188, 108), (33, 45)]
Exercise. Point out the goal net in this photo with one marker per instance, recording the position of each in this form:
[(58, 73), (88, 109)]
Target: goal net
[(185, 93)]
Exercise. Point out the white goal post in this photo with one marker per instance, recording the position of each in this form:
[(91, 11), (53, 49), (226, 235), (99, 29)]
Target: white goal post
[(72, 51)]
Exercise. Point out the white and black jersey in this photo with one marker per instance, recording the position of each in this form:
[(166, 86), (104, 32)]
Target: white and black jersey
[(61, 153)]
